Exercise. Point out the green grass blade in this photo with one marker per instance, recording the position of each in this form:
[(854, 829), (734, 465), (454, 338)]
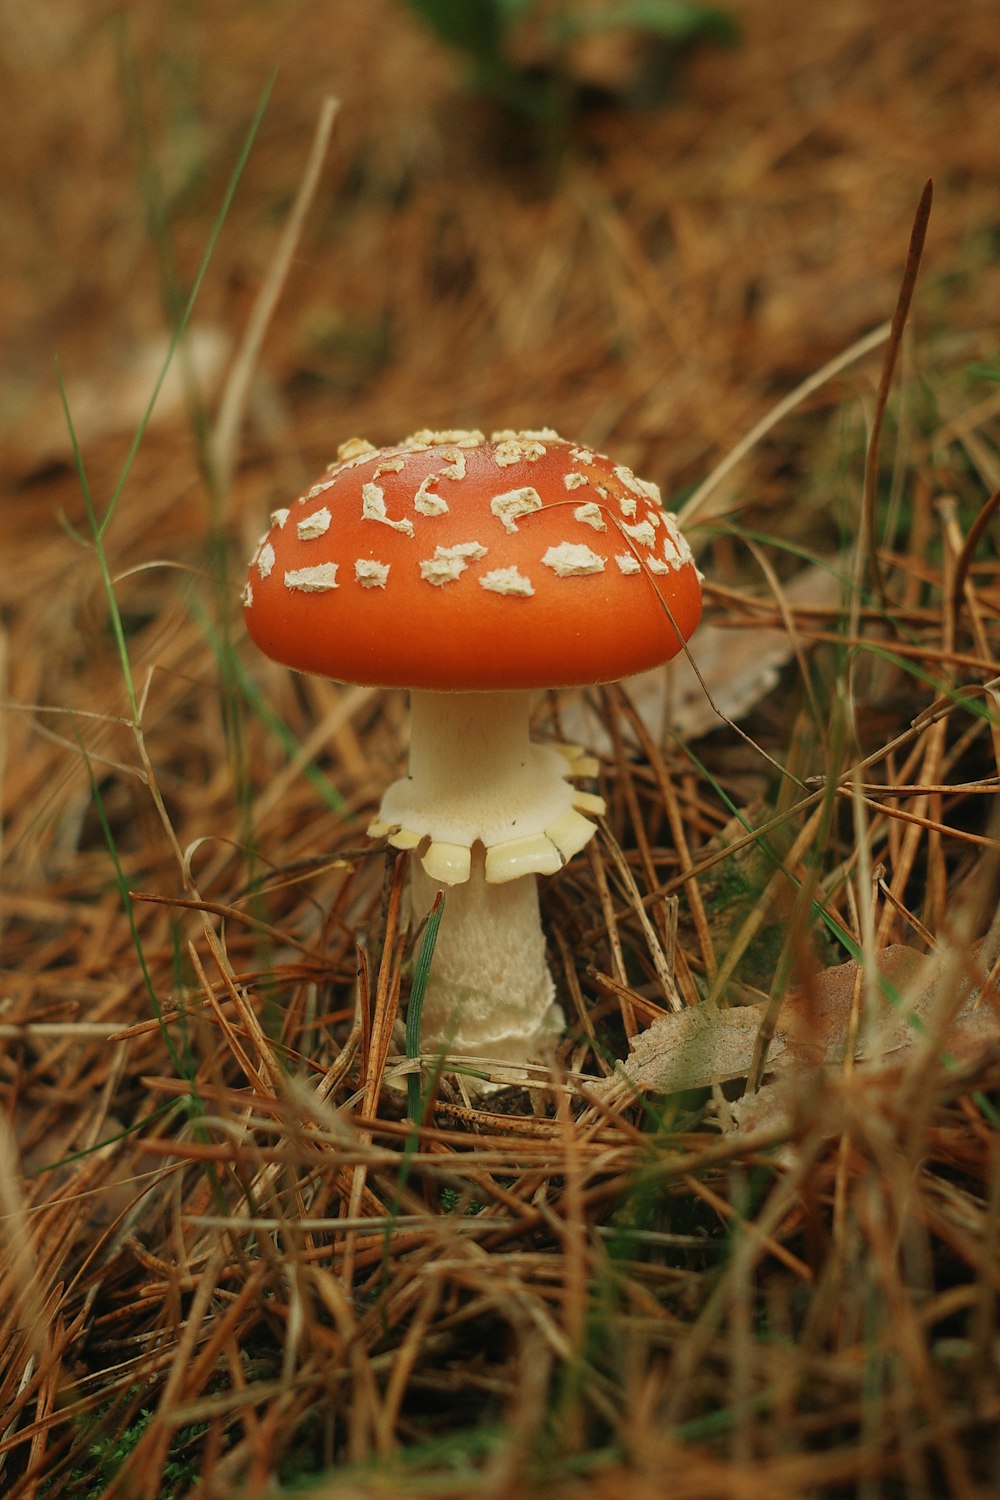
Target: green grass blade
[(414, 1011), (129, 906), (117, 624), (188, 309)]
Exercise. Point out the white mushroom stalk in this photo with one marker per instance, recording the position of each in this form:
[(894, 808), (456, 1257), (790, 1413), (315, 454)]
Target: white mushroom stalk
[(488, 810), (489, 993)]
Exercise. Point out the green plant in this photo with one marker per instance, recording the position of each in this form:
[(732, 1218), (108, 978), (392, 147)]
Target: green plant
[(108, 1450), (539, 83)]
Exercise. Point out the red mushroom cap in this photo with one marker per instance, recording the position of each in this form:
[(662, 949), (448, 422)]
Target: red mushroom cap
[(449, 562)]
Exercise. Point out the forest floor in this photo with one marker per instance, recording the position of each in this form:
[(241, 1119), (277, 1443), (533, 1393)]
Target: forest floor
[(746, 1248)]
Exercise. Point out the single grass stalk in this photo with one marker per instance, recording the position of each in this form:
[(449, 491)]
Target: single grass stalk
[(100, 527), (421, 973), (125, 895), (868, 513)]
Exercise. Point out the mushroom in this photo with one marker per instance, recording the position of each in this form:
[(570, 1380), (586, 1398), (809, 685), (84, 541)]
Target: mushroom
[(475, 573)]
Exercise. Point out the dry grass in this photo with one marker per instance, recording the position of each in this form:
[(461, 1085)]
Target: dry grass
[(228, 1254)]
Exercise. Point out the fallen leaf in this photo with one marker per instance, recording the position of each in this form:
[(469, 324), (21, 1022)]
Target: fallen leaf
[(737, 666), (706, 1045)]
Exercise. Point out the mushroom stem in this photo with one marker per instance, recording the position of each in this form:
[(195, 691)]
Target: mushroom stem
[(489, 993), (472, 749), (478, 781)]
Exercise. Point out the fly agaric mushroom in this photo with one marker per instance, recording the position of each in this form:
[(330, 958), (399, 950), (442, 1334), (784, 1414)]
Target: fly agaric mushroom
[(473, 573)]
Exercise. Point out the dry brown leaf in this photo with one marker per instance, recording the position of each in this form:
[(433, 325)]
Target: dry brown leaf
[(737, 667), (704, 1046)]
